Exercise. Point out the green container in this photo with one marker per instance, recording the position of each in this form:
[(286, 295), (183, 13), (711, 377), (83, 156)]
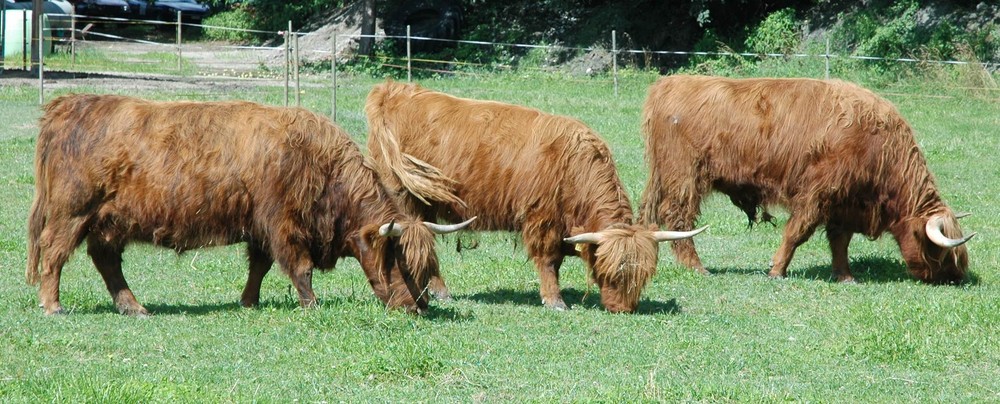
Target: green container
[(17, 33)]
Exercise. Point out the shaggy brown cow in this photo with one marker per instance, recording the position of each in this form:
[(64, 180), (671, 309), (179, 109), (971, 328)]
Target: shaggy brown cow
[(517, 168), (184, 175), (832, 153)]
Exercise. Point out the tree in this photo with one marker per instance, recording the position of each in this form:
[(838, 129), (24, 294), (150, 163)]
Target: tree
[(365, 45)]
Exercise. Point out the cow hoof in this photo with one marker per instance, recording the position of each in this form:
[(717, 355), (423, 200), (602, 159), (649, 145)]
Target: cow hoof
[(776, 275), (249, 304), (847, 280), (557, 305), (58, 310), (139, 312)]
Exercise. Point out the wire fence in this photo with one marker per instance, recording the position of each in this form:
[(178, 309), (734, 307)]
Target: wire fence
[(142, 48)]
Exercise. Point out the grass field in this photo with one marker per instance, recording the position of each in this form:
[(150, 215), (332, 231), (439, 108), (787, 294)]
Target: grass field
[(733, 336)]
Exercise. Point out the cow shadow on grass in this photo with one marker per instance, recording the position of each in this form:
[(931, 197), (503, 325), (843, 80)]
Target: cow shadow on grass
[(574, 298), (867, 269), (61, 75), (156, 309), (191, 309)]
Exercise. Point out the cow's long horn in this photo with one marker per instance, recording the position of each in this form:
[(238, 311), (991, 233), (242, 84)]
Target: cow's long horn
[(664, 235), (448, 228), (585, 238), (933, 230), (963, 214), (391, 229)]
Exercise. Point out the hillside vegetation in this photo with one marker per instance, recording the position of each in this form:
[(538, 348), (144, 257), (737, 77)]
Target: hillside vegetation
[(931, 30)]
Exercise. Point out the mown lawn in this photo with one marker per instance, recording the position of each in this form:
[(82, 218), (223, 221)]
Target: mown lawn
[(733, 336)]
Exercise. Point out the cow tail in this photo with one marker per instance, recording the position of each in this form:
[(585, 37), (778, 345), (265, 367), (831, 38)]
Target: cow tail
[(421, 179), (36, 217), (36, 222), (650, 201)]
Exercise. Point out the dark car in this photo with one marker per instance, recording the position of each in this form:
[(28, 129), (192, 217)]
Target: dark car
[(103, 8), (166, 10)]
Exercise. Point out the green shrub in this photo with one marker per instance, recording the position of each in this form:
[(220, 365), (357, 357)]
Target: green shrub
[(778, 33), (895, 37), (238, 18)]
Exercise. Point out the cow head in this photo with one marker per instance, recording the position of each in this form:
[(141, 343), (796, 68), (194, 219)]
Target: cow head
[(402, 260), (933, 248), (624, 261)]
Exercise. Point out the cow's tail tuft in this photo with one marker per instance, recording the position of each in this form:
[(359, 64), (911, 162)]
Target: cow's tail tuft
[(421, 179)]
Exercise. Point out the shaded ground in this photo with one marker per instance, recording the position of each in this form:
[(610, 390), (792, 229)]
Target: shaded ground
[(123, 82)]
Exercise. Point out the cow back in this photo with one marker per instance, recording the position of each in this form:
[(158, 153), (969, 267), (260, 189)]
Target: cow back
[(507, 161)]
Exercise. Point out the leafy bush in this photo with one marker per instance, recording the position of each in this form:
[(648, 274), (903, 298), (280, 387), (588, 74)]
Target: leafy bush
[(894, 37), (263, 15), (274, 15), (238, 18), (778, 33)]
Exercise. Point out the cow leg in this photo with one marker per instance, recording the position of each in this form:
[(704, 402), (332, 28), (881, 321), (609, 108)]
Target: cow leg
[(798, 229), (679, 207), (58, 240), (299, 267), (543, 243), (260, 264), (108, 260), (838, 249), (684, 249), (548, 274)]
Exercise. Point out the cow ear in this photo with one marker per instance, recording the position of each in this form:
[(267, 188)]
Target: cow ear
[(368, 234)]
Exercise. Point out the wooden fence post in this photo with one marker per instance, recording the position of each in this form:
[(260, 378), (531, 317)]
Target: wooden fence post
[(287, 56), (614, 58), (298, 89), (178, 41), (333, 73), (409, 76)]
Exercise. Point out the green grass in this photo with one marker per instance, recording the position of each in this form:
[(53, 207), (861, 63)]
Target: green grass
[(733, 336)]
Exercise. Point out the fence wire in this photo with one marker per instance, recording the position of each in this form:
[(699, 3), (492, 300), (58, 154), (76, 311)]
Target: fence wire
[(84, 45)]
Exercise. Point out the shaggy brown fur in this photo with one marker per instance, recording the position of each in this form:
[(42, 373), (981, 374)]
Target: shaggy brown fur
[(111, 170), (831, 152), (517, 169)]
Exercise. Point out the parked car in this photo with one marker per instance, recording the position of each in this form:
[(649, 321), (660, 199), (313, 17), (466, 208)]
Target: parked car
[(103, 8), (166, 10)]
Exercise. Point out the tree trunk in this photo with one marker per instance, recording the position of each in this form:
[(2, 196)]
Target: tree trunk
[(366, 44)]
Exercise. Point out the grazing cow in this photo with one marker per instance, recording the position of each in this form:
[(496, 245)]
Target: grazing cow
[(832, 153), (516, 168), (111, 170)]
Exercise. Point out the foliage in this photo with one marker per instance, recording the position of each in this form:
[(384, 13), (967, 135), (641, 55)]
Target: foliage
[(890, 38), (270, 15), (240, 18), (382, 63), (778, 33)]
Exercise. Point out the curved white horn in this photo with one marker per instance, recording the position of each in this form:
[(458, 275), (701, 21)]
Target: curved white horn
[(933, 230), (664, 235), (585, 238), (448, 228), (391, 229)]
